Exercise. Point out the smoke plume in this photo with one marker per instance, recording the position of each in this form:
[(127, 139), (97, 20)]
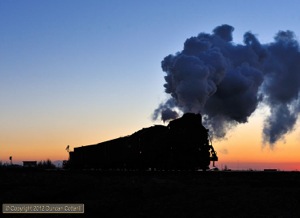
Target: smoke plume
[(226, 82)]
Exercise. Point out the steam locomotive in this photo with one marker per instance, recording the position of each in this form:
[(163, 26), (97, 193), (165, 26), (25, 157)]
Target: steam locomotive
[(181, 145)]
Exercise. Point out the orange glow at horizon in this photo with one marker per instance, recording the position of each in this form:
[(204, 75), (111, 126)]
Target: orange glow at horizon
[(243, 146)]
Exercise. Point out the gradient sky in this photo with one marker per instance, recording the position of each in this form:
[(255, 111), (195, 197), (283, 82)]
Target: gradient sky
[(78, 72)]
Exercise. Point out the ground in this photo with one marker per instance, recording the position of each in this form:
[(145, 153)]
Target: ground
[(156, 194)]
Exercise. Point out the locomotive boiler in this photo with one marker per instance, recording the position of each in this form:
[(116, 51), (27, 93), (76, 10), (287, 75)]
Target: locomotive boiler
[(183, 144)]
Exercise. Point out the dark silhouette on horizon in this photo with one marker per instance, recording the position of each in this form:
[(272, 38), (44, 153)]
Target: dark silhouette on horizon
[(183, 144)]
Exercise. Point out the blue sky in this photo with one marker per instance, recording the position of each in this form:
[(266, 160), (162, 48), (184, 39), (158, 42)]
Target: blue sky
[(82, 71)]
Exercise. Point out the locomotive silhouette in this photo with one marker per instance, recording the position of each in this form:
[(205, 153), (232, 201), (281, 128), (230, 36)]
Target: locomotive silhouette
[(183, 144)]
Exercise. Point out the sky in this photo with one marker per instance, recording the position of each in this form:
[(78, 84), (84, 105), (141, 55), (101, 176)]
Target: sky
[(77, 72)]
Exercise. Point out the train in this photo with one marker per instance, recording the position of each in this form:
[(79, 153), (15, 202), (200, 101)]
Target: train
[(184, 144)]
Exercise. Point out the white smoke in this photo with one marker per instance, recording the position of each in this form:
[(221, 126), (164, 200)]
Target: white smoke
[(226, 81)]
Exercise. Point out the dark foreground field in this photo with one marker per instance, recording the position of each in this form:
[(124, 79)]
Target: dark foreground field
[(157, 194)]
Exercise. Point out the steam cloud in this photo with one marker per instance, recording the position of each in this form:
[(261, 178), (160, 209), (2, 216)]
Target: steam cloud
[(226, 82)]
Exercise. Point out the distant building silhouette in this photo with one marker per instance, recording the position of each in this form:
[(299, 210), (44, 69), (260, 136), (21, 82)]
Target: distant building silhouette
[(29, 163), (270, 170)]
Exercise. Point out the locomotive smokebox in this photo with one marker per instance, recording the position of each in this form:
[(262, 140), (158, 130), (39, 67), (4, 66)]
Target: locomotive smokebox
[(188, 120)]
